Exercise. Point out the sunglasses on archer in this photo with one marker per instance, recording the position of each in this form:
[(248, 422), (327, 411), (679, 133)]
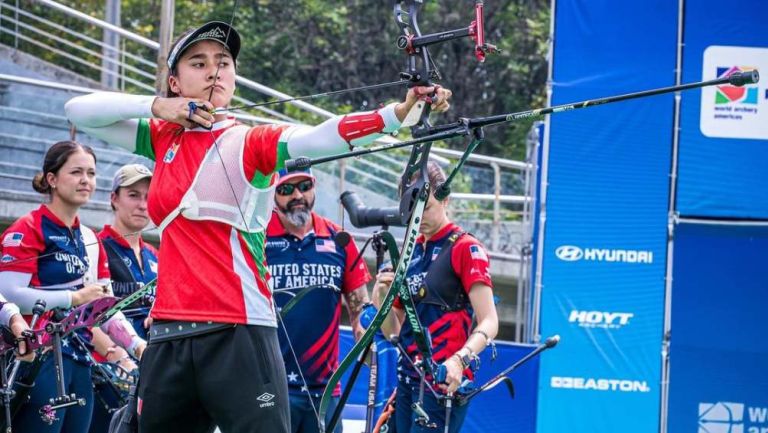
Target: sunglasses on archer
[(288, 188)]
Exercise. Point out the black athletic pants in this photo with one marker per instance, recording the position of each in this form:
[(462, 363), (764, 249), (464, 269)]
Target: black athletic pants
[(233, 378)]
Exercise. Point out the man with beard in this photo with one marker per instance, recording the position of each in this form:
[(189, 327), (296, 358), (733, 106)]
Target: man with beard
[(303, 254)]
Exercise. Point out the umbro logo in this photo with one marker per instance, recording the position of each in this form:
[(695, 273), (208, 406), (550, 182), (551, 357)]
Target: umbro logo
[(267, 399)]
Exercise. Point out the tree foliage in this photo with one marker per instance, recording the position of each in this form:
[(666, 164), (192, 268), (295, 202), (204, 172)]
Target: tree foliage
[(309, 46)]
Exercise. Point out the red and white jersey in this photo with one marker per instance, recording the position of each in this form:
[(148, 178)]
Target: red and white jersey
[(208, 270)]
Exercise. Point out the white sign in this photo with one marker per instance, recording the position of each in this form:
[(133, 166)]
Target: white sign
[(729, 111)]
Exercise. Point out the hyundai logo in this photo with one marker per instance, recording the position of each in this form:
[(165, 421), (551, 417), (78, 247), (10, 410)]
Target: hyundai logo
[(569, 253)]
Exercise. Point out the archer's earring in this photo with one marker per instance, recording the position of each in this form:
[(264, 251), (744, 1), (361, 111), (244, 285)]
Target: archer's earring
[(53, 186)]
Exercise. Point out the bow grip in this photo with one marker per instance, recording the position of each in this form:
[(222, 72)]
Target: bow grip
[(441, 374)]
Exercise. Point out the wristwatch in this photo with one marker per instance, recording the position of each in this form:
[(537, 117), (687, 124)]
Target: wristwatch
[(466, 360)]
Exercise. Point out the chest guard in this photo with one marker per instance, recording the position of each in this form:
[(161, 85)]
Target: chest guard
[(220, 190), (441, 286)]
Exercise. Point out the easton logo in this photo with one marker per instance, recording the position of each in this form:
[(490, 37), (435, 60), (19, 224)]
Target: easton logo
[(599, 384), (266, 398)]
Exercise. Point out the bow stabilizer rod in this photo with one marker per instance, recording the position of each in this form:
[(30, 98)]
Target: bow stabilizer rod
[(547, 344), (735, 79), (464, 127)]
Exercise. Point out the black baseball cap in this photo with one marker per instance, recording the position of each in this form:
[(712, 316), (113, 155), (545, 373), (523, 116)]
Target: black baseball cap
[(217, 31)]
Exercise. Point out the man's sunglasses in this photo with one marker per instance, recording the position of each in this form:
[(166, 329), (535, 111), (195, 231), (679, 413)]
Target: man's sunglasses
[(287, 188)]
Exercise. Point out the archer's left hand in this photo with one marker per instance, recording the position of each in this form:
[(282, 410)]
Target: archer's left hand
[(18, 326), (455, 372), (439, 100)]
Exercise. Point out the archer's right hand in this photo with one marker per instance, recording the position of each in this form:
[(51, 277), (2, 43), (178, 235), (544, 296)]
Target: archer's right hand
[(177, 110), (88, 294), (383, 281)]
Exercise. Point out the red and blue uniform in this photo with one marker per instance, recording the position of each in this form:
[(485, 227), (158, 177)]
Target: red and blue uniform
[(41, 245), (448, 330), (313, 323), (440, 277), (127, 275)]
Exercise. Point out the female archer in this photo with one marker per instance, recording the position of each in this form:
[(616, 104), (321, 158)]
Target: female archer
[(49, 255), (211, 196), (450, 282)]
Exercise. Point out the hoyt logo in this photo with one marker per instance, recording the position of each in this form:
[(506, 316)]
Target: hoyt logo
[(730, 417), (573, 253), (600, 319)]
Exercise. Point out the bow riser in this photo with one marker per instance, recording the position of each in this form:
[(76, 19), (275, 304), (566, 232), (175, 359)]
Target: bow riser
[(412, 233)]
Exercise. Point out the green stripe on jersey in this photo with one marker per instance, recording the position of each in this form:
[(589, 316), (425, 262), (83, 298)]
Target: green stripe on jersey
[(255, 242), (282, 155), (144, 140), (261, 180)]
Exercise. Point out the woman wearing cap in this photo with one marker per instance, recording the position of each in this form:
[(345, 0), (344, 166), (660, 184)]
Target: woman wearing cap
[(48, 255), (212, 197), (449, 277), (132, 264)]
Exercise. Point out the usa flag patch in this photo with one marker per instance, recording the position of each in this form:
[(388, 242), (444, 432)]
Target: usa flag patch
[(435, 253), (325, 246), (477, 253), (13, 239)]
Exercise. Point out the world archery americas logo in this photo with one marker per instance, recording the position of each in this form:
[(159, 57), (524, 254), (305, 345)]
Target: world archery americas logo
[(728, 94), (730, 417), (721, 417)]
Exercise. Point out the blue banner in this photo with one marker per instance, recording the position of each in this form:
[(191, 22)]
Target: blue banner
[(491, 411), (719, 350), (724, 129), (605, 235)]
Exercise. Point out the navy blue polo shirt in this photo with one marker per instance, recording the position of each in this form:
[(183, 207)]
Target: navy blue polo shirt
[(313, 324)]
